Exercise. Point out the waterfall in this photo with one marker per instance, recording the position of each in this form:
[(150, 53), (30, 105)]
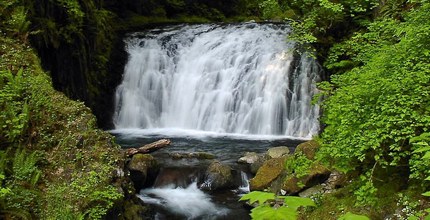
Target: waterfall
[(239, 79)]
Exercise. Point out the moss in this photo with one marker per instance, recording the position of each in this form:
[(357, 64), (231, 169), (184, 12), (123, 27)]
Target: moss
[(76, 159), (308, 148), (316, 175), (267, 173)]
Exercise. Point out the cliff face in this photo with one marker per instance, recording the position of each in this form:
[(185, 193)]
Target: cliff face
[(75, 41)]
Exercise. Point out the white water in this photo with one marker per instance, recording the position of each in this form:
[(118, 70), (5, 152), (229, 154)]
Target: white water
[(236, 79), (244, 187), (189, 202)]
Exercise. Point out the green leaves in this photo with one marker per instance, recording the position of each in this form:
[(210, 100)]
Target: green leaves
[(264, 210), (351, 216), (255, 196), (268, 213), (295, 202)]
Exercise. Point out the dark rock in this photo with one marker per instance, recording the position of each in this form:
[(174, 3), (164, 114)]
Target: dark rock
[(177, 176), (142, 166), (136, 210), (218, 176), (193, 155), (317, 175), (254, 160)]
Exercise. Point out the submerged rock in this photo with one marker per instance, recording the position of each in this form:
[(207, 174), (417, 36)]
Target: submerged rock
[(218, 176), (277, 152), (192, 155), (141, 166)]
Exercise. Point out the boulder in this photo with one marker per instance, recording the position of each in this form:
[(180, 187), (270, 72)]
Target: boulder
[(141, 166), (268, 172), (308, 149), (135, 210), (314, 190), (254, 160), (249, 158), (218, 176), (192, 155), (317, 175), (277, 152)]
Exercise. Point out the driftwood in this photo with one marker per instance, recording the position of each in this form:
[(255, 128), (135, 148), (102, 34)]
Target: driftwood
[(148, 148)]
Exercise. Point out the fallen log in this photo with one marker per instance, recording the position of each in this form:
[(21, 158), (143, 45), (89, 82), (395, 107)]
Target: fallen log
[(148, 148)]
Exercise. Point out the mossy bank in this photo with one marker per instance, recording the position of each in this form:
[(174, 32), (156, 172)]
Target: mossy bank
[(55, 163)]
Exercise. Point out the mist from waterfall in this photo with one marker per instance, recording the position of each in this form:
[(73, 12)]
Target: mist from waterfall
[(237, 79)]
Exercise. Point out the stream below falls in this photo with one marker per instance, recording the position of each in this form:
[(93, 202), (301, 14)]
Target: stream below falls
[(179, 190)]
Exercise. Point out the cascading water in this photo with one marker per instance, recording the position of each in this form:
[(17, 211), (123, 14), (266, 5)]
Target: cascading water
[(241, 79)]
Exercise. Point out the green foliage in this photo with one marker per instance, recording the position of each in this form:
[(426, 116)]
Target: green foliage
[(42, 133), (379, 100), (257, 196), (87, 192), (266, 209), (351, 216), (14, 117), (13, 19), (299, 164)]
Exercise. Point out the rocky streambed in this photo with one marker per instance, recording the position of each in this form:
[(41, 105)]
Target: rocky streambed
[(204, 178)]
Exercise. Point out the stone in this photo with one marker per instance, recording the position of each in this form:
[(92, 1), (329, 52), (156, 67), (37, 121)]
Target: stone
[(277, 152), (308, 149), (192, 155), (218, 176), (249, 158), (317, 175), (135, 210), (141, 166), (268, 172), (257, 164), (318, 189)]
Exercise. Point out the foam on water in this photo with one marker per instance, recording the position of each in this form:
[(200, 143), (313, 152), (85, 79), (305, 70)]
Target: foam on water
[(189, 202)]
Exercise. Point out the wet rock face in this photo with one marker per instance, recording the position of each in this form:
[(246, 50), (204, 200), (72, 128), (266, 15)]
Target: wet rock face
[(142, 166), (218, 176)]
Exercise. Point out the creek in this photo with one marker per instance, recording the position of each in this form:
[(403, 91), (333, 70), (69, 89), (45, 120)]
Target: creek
[(219, 89)]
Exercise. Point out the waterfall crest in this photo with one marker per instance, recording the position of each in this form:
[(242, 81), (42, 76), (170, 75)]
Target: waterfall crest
[(241, 79)]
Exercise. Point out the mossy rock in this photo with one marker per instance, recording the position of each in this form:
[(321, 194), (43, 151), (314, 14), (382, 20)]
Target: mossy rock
[(134, 210), (141, 166), (308, 148), (317, 175), (218, 176), (267, 173)]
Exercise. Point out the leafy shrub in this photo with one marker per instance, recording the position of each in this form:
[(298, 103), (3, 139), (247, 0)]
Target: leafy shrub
[(376, 109), (265, 210)]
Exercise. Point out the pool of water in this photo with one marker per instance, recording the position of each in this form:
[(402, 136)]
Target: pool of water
[(187, 200)]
